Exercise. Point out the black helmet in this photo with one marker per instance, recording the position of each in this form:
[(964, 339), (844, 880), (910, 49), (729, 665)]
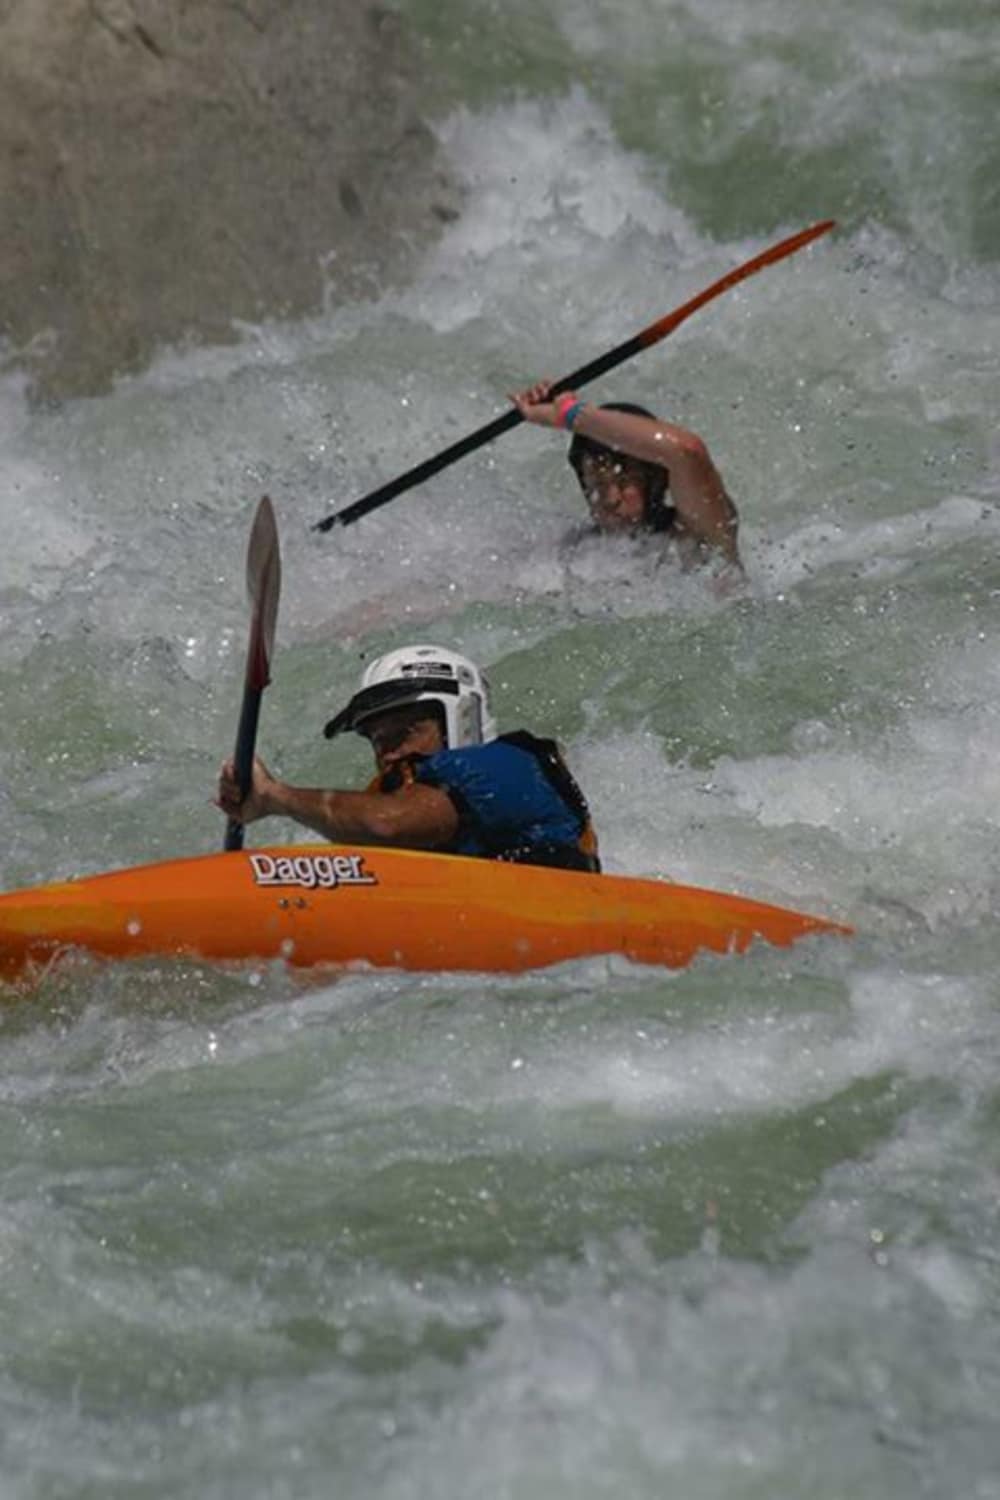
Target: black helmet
[(658, 514)]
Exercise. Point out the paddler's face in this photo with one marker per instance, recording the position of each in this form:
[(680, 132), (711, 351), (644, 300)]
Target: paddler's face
[(616, 492), (397, 734)]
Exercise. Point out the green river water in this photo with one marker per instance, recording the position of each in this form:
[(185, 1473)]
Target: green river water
[(598, 1230)]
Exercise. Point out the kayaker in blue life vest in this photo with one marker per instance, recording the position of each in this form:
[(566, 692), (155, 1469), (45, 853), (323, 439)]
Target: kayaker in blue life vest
[(639, 473), (446, 779)]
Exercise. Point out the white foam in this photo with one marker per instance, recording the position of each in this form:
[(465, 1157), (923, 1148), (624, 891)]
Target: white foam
[(882, 548)]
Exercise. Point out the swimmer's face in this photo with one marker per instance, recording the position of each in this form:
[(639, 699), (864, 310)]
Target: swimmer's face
[(616, 491)]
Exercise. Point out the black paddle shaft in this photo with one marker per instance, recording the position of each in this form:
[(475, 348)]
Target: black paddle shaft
[(474, 440), (246, 740)]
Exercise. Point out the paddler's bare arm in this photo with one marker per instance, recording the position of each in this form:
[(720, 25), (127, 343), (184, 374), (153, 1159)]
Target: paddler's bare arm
[(415, 817), (705, 511)]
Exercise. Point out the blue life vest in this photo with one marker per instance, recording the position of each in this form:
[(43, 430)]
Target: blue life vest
[(516, 800)]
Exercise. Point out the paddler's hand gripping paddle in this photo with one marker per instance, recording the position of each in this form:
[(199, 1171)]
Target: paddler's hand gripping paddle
[(263, 589), (651, 335)]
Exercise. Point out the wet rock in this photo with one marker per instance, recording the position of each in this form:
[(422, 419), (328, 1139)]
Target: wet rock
[(170, 166)]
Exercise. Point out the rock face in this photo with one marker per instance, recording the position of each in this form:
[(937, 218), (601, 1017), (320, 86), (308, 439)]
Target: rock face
[(168, 166)]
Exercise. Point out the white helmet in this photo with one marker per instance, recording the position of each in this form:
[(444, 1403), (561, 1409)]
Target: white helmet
[(423, 674)]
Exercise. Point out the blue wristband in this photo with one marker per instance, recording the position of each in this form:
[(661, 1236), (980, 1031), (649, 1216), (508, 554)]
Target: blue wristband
[(571, 413)]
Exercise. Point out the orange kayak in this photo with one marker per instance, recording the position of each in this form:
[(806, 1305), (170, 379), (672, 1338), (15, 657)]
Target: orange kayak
[(323, 904)]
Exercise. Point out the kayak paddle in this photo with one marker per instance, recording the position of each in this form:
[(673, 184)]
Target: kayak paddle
[(643, 340), (263, 590)]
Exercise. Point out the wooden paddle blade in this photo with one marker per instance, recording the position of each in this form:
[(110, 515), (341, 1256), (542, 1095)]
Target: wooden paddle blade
[(769, 257), (264, 591)]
